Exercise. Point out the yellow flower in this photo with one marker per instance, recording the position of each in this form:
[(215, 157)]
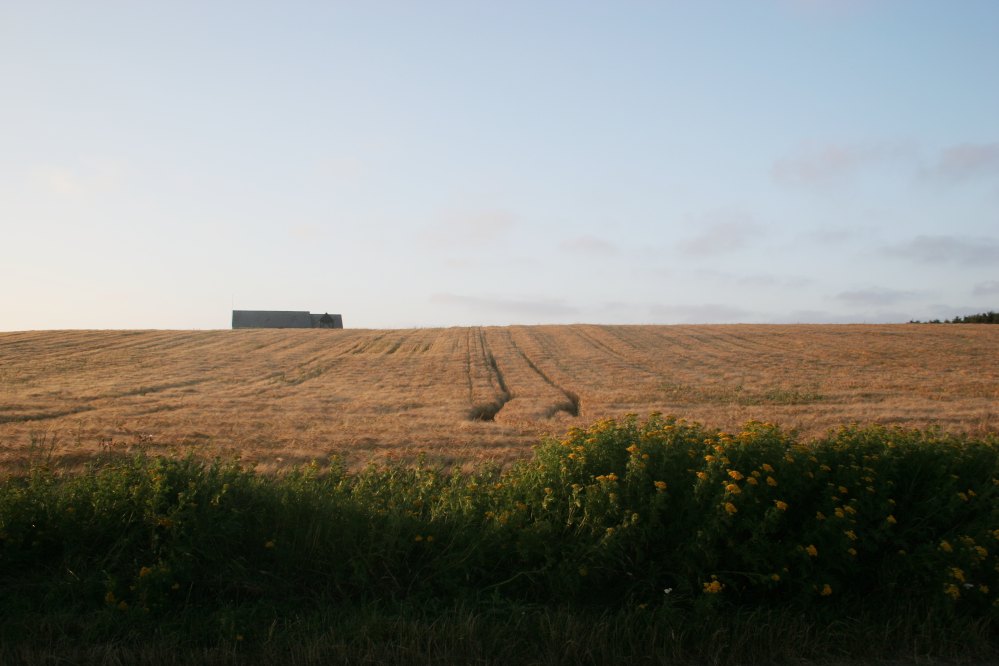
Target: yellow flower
[(771, 481), (709, 458), (430, 538), (660, 485), (982, 552), (826, 590), (825, 468), (109, 598), (850, 510), (819, 515), (839, 513), (767, 468), (714, 587), (752, 481), (702, 476), (891, 520), (952, 591), (851, 535), (144, 571), (957, 574), (781, 505), (852, 551), (548, 491), (632, 449), (843, 490), (732, 488), (122, 605), (812, 550), (984, 589), (946, 547), (735, 474), (418, 538), (963, 496), (269, 544), (775, 578), (730, 507)]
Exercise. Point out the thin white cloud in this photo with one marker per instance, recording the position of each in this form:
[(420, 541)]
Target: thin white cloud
[(768, 280), (817, 317), (965, 162), (816, 165), (470, 227), (344, 168), (722, 231), (760, 280), (84, 179), (305, 232), (706, 313), (589, 245), (507, 306), (875, 296), (830, 236), (990, 288), (948, 249), (865, 316)]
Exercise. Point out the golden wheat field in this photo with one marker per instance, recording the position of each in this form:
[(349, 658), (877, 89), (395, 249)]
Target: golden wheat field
[(283, 397)]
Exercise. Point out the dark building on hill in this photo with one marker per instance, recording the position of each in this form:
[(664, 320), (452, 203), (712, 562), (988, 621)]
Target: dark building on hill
[(284, 319)]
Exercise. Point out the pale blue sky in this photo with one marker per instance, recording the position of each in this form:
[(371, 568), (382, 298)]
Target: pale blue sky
[(441, 163)]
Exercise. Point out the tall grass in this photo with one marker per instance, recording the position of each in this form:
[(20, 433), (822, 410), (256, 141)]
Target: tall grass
[(652, 529)]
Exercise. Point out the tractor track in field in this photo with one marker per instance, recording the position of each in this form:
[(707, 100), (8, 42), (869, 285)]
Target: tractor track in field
[(487, 411), (571, 406)]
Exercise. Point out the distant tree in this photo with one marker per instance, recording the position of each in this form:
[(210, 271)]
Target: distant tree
[(989, 317)]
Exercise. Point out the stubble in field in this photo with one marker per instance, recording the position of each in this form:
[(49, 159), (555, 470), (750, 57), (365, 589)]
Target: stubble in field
[(465, 395)]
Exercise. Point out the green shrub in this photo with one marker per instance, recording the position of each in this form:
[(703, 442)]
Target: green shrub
[(622, 514)]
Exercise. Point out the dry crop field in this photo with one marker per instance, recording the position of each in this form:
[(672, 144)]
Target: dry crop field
[(281, 397)]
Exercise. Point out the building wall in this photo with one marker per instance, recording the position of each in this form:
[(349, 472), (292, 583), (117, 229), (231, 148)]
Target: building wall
[(270, 319), (280, 319)]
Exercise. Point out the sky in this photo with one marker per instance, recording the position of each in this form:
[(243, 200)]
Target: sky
[(427, 163)]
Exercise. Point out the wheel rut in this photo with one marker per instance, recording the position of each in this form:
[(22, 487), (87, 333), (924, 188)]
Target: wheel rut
[(571, 404), (487, 410)]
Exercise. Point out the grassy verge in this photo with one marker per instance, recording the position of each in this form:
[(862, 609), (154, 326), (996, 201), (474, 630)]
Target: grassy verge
[(652, 540)]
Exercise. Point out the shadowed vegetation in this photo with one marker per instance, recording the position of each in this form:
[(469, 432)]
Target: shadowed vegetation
[(636, 534)]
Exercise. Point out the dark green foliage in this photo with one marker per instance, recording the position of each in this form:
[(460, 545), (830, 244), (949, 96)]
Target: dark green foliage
[(989, 317), (657, 515)]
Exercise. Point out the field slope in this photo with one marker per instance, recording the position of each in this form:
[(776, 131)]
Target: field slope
[(280, 397)]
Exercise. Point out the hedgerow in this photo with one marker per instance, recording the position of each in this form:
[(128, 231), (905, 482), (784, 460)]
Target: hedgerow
[(622, 514)]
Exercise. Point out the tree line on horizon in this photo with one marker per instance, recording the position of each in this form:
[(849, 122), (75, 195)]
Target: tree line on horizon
[(989, 317)]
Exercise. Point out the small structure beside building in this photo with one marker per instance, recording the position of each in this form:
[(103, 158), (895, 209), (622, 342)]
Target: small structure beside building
[(284, 319)]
